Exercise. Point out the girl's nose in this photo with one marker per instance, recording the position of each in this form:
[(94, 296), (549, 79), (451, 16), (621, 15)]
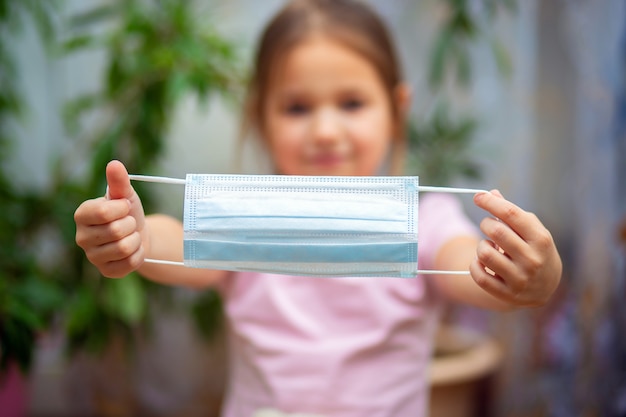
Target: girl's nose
[(326, 127)]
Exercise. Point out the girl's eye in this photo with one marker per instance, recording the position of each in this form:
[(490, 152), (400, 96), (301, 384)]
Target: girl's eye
[(352, 104), (296, 109)]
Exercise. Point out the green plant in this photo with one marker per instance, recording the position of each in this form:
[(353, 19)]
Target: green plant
[(466, 23), (157, 53), (440, 147), (29, 294), (439, 142)]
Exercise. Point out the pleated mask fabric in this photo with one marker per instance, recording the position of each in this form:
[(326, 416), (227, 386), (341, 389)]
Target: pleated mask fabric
[(302, 225)]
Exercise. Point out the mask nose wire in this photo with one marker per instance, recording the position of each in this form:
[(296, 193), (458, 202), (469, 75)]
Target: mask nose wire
[(420, 188)]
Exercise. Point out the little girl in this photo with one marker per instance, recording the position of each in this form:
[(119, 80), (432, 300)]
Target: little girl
[(327, 98)]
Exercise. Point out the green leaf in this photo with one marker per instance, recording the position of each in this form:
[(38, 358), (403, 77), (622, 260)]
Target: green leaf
[(81, 312), (76, 108), (502, 57), (87, 326), (17, 341), (208, 315), (464, 67), (177, 86), (20, 312), (438, 59), (78, 42), (42, 295), (124, 298), (95, 16)]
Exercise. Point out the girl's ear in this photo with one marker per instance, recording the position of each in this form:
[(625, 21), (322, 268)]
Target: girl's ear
[(403, 96)]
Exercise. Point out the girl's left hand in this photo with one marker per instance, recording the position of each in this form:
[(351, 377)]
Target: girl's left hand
[(523, 265)]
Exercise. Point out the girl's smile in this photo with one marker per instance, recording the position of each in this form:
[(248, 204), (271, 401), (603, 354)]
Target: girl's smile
[(327, 161)]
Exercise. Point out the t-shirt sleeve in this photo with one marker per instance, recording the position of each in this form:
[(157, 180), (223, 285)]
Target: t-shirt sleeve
[(441, 218)]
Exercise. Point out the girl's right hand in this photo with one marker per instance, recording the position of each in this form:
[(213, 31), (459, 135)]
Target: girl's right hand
[(111, 229)]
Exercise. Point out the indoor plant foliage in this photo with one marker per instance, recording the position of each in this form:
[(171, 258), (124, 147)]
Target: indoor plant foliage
[(439, 139), (157, 53), (440, 147), (29, 293)]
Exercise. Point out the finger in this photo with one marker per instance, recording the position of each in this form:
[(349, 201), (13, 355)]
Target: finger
[(119, 187), (496, 193), (522, 222), (115, 251), (499, 264), (504, 237), (123, 267), (106, 233), (492, 284), (101, 211), (118, 181)]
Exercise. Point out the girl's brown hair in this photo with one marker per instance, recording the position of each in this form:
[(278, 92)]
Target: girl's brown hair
[(350, 22)]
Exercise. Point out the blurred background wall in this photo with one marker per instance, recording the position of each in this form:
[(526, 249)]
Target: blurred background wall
[(552, 138)]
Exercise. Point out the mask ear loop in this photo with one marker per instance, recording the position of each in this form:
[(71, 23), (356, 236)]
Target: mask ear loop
[(160, 180), (420, 188)]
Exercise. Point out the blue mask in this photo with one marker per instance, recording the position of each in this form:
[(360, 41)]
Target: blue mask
[(302, 225)]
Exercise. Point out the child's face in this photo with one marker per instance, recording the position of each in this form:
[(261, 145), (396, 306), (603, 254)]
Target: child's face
[(327, 112)]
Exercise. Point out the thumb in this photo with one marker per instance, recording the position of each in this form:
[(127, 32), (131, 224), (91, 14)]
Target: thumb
[(119, 187), (118, 181)]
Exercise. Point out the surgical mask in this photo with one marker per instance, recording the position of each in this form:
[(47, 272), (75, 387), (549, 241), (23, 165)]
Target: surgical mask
[(302, 225)]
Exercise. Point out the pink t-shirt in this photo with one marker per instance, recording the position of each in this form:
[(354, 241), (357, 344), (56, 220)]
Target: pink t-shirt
[(339, 347)]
